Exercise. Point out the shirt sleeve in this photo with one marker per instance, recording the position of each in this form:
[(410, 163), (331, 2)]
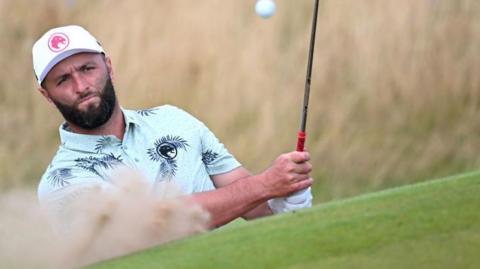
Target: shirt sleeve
[(215, 156), (60, 189), (59, 181)]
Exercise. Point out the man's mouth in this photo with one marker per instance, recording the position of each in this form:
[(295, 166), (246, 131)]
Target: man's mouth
[(87, 99)]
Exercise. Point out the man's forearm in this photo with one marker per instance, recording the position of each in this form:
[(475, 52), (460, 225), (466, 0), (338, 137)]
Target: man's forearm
[(260, 211), (232, 201)]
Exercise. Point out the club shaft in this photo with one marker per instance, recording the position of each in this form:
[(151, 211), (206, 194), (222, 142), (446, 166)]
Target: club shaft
[(306, 97), (309, 69)]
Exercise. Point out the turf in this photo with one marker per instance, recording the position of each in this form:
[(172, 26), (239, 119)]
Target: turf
[(435, 224)]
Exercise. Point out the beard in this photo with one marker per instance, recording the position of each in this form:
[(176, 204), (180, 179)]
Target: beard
[(93, 117)]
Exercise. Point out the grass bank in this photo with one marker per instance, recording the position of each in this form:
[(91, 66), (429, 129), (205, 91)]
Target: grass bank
[(429, 225)]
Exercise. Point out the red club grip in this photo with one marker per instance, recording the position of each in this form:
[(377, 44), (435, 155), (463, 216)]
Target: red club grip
[(302, 136)]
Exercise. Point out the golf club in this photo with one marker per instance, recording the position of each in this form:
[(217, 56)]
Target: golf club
[(302, 135)]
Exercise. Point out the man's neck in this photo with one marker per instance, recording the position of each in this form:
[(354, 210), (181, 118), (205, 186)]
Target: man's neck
[(114, 126)]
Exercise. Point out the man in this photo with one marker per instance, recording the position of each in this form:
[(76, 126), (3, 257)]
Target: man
[(164, 143)]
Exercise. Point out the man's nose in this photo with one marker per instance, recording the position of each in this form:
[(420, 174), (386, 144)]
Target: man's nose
[(80, 82)]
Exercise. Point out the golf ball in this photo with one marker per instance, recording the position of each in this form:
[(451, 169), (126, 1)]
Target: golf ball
[(265, 8)]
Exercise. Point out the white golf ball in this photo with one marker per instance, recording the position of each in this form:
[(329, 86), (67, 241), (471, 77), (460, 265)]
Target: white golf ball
[(265, 8)]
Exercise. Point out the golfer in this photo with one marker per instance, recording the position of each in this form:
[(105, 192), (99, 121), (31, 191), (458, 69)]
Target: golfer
[(164, 143)]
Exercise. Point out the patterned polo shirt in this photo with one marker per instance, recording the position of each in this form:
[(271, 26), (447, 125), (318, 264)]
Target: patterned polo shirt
[(163, 143)]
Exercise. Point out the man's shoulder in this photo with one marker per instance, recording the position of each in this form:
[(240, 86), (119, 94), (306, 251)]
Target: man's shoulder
[(166, 109), (163, 112)]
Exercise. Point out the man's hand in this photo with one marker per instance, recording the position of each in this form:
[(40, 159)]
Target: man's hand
[(287, 175)]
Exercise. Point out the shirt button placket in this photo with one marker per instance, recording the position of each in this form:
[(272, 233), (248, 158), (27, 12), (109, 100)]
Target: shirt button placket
[(129, 156)]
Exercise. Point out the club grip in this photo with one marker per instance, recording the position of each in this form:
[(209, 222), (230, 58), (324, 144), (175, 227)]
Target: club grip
[(302, 136)]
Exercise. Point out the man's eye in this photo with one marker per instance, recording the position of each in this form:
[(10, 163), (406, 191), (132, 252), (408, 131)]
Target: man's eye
[(88, 68), (61, 80)]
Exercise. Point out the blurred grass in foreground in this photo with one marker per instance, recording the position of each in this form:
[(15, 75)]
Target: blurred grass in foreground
[(395, 89)]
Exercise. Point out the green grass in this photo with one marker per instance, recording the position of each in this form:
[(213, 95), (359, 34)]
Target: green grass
[(429, 225)]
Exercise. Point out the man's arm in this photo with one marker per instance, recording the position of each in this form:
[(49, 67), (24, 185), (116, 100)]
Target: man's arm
[(247, 197), (240, 173)]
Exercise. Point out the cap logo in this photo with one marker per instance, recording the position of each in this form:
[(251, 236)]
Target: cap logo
[(58, 42)]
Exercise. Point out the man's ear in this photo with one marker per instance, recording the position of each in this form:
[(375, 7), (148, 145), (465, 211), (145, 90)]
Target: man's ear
[(108, 63), (45, 94)]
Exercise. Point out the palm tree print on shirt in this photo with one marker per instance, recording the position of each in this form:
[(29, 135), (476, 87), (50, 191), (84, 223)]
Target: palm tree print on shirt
[(60, 177), (165, 151), (99, 166), (146, 112), (104, 142), (209, 156)]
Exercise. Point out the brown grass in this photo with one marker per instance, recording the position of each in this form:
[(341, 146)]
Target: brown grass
[(395, 89)]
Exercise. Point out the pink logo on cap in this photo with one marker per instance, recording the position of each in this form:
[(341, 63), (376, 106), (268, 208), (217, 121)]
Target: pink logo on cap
[(58, 42)]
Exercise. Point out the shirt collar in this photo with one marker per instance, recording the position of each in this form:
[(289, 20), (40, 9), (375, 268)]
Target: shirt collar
[(89, 143)]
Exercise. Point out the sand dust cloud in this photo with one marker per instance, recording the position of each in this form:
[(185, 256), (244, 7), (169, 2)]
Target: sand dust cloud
[(99, 223)]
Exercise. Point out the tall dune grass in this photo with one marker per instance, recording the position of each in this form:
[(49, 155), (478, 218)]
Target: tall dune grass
[(395, 89)]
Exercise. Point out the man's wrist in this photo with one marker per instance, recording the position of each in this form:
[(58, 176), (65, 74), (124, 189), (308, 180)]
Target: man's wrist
[(257, 185)]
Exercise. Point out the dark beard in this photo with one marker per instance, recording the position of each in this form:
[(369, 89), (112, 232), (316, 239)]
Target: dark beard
[(93, 117)]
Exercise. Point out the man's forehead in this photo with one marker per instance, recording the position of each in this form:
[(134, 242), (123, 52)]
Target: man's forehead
[(75, 60)]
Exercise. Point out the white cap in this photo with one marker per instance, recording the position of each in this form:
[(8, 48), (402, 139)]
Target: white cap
[(58, 44)]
